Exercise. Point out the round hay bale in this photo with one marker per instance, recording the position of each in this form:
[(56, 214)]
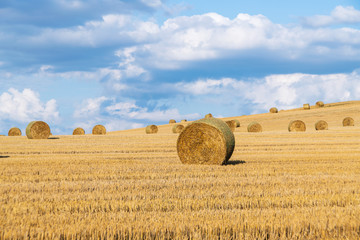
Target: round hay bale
[(320, 104), (14, 132), (177, 128), (254, 127), (231, 124), (206, 141), (151, 129), (297, 126), (184, 120), (348, 121), (172, 121), (209, 115), (38, 130), (273, 110), (99, 130), (79, 131), (321, 125), (237, 122), (306, 106)]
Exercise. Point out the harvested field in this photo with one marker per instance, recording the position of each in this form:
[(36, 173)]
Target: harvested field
[(277, 184)]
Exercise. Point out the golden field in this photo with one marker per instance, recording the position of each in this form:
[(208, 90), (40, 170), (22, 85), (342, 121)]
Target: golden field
[(131, 185)]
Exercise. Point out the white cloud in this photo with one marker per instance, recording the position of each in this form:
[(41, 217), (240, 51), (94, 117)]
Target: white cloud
[(90, 107), (26, 106)]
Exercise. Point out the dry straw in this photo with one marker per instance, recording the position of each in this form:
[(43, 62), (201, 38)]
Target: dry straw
[(209, 115), (99, 130), (237, 122), (184, 120), (78, 131), (273, 110), (297, 126), (306, 106), (177, 128), (38, 130), (172, 121), (151, 129), (231, 124), (348, 121), (14, 132), (206, 141), (254, 127), (321, 125), (320, 104)]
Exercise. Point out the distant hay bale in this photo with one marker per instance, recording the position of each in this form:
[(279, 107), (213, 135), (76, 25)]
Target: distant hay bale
[(320, 104), (306, 106), (151, 129), (172, 121), (206, 141), (231, 124), (14, 132), (209, 115), (297, 126), (38, 130), (99, 130), (177, 128), (79, 131), (237, 122), (184, 120), (348, 121), (321, 125), (254, 127), (273, 110)]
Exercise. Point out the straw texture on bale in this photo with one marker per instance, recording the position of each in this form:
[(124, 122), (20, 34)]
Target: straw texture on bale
[(306, 106), (184, 120), (78, 131), (99, 130), (206, 141), (273, 110), (231, 124), (321, 125), (151, 129), (172, 121), (38, 130), (237, 123), (177, 128), (209, 115), (297, 126), (348, 121), (320, 104), (14, 132), (254, 127)]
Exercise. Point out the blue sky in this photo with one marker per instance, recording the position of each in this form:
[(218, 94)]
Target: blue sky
[(126, 64)]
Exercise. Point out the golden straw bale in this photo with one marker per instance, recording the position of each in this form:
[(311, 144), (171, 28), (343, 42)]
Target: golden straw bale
[(184, 120), (231, 124), (206, 141), (38, 130), (151, 129), (99, 130), (297, 126), (273, 110), (79, 131), (348, 121), (320, 104), (172, 121), (237, 122), (209, 115), (321, 125), (254, 127), (14, 132), (177, 128), (306, 106)]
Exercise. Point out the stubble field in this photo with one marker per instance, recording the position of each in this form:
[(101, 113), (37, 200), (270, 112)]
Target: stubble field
[(131, 185)]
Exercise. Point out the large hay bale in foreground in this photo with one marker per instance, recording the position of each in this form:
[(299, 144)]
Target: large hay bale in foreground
[(320, 104), (231, 124), (206, 141), (254, 127), (178, 128), (209, 115), (151, 129), (99, 130), (273, 110), (14, 132), (321, 125), (172, 121), (79, 131), (306, 106), (38, 130), (237, 122), (297, 126), (348, 121)]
